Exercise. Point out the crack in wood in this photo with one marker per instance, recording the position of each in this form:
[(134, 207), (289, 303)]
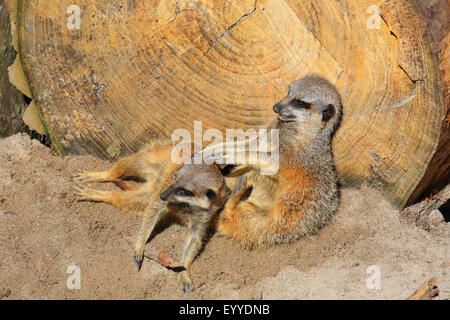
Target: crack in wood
[(396, 38), (177, 13), (228, 30), (407, 74)]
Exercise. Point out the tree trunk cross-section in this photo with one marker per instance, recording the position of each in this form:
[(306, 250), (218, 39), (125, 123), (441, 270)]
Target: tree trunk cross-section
[(437, 174), (135, 71)]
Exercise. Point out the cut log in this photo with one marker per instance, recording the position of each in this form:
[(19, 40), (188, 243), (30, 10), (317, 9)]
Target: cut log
[(438, 171), (114, 77), (12, 102)]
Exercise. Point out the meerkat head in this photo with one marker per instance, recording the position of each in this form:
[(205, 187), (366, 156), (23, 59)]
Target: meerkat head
[(312, 106), (200, 186)]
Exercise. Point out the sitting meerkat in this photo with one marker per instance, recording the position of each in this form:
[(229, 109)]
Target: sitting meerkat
[(303, 194)]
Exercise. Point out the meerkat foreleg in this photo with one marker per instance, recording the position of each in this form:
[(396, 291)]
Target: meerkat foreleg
[(262, 164), (149, 221), (255, 144), (246, 154), (192, 246)]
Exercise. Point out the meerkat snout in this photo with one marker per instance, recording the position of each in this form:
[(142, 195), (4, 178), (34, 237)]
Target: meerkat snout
[(276, 108)]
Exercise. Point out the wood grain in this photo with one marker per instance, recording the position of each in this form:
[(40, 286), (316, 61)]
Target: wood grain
[(137, 70), (437, 174)]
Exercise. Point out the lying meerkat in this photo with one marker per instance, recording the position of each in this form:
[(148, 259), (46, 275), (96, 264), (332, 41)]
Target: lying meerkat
[(195, 195)]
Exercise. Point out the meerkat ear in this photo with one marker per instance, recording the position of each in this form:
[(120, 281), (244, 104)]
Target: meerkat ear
[(328, 113), (227, 169)]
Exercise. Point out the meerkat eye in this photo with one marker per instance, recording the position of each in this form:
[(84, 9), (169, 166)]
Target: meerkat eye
[(300, 104), (328, 113), (211, 195), (183, 192)]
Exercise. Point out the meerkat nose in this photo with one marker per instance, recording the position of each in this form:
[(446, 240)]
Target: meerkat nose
[(276, 108)]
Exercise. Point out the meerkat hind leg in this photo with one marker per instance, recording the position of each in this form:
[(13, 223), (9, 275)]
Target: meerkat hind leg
[(131, 166), (132, 202), (85, 193), (91, 176)]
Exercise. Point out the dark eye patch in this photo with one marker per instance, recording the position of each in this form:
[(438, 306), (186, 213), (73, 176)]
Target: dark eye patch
[(211, 195), (183, 192), (300, 104), (328, 113)]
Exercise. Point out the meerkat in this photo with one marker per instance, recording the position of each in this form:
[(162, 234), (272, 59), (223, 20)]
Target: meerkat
[(197, 194), (193, 196), (303, 194), (296, 201)]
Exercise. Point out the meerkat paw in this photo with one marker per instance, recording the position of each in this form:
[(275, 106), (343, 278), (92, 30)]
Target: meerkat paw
[(185, 282), (86, 193), (240, 187), (237, 193), (82, 177), (82, 192), (138, 257)]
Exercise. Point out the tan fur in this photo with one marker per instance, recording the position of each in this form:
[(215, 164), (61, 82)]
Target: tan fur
[(161, 177), (303, 195), (262, 209)]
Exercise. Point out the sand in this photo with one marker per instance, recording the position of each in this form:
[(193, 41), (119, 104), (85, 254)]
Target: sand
[(367, 252)]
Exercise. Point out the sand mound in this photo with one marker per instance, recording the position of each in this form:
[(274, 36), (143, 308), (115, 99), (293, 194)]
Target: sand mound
[(44, 230)]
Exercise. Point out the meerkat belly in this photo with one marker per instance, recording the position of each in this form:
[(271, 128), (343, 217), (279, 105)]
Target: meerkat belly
[(296, 193)]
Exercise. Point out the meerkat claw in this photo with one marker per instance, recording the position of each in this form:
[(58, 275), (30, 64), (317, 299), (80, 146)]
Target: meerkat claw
[(79, 192), (77, 177), (242, 184), (138, 260), (242, 181), (187, 287)]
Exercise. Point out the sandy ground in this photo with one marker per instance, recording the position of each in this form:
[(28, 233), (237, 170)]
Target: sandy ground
[(44, 230)]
